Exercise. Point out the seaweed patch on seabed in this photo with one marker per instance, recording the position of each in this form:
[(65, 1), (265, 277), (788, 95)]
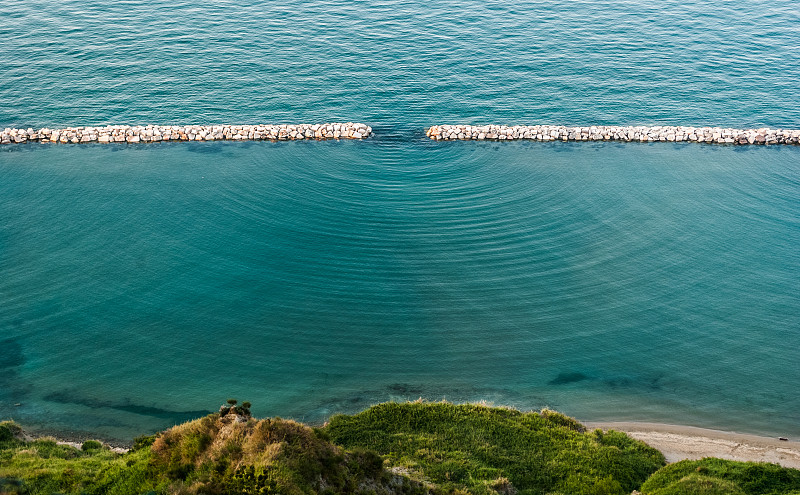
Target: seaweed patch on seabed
[(645, 382), (404, 389), (66, 397), (564, 378), (12, 356)]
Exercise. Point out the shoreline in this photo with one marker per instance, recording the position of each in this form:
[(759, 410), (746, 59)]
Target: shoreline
[(73, 439), (679, 442)]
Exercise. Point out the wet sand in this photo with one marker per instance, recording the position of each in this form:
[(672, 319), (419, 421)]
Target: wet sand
[(688, 442)]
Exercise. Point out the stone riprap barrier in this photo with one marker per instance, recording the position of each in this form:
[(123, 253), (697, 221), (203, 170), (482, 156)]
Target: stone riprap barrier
[(645, 134), (156, 133)]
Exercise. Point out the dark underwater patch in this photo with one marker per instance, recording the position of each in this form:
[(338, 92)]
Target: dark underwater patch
[(11, 354), (648, 383), (568, 377), (156, 412), (12, 389), (404, 388)]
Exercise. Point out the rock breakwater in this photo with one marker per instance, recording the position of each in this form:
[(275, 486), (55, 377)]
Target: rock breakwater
[(645, 134), (156, 133)]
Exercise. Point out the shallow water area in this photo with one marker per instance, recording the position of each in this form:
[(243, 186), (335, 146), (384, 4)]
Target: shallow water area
[(142, 285)]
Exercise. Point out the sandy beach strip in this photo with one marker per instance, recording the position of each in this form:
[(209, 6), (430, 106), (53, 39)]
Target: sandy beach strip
[(688, 442)]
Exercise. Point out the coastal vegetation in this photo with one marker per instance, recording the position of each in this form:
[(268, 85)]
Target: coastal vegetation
[(712, 476), (482, 449), (391, 448)]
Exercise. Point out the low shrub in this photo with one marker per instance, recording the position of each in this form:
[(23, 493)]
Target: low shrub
[(712, 476), (91, 445), (143, 441), (232, 408), (9, 431)]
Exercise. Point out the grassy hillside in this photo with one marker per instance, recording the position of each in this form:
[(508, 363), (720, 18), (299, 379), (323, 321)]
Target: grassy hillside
[(410, 448), (489, 450), (212, 455), (234, 454), (43, 467), (717, 476)]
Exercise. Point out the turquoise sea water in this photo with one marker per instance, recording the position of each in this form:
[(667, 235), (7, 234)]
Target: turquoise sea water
[(142, 285)]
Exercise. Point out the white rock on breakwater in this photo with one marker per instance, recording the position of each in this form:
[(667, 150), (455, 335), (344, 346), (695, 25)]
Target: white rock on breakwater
[(156, 133), (719, 135)]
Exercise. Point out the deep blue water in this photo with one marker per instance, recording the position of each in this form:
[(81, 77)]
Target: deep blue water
[(143, 284)]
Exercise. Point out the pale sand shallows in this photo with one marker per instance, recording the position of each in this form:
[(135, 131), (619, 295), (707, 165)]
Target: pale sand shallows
[(688, 442)]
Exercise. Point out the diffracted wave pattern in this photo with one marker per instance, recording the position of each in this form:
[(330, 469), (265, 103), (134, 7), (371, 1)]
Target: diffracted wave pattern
[(606, 280)]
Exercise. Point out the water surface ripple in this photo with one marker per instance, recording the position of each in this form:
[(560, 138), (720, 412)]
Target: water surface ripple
[(400, 63), (142, 285)]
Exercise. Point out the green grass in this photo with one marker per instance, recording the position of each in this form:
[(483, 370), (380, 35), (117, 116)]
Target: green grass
[(211, 455), (224, 455), (490, 450), (712, 476), (43, 467), (409, 448)]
